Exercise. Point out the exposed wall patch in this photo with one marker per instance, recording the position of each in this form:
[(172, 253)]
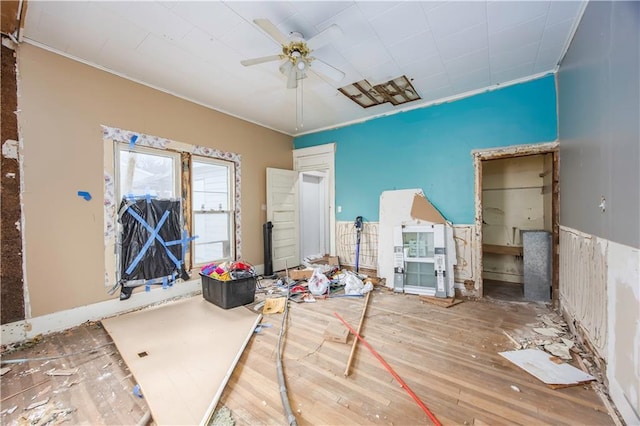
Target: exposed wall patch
[(11, 259), (10, 149)]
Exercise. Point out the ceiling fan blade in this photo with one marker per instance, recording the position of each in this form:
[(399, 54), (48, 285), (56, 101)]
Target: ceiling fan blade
[(324, 37), (292, 79), (263, 59), (321, 67), (273, 31)]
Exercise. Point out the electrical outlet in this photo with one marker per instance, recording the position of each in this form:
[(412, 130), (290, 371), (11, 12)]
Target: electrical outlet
[(339, 209)]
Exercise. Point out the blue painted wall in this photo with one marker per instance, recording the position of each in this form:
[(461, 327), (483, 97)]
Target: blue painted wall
[(430, 148)]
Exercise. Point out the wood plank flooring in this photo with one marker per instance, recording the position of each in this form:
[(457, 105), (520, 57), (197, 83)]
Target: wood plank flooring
[(99, 393), (448, 357)]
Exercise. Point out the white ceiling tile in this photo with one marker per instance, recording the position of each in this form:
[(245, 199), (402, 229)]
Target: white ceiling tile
[(276, 12), (556, 35), (158, 20), (450, 18), (424, 67), (129, 35), (476, 79), (474, 61), (403, 21), (385, 72), (73, 11), (120, 8), (438, 93), (464, 42), (507, 60), (547, 59), (510, 74), (426, 85), (365, 55), (298, 23), (215, 18), (317, 12), (248, 40), (162, 52), (372, 9), (87, 43), (201, 44), (47, 33), (202, 61), (32, 18), (516, 36), (505, 14), (355, 28), (430, 4), (563, 10), (410, 49)]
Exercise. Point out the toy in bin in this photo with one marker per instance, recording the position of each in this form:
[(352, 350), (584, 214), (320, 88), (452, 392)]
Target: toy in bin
[(229, 284)]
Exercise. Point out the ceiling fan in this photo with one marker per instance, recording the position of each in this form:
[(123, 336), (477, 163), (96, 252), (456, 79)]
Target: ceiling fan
[(296, 53)]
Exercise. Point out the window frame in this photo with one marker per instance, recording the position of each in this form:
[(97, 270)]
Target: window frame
[(175, 156), (230, 211), (112, 137)]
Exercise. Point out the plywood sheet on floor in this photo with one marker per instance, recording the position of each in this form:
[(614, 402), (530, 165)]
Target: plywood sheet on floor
[(181, 354)]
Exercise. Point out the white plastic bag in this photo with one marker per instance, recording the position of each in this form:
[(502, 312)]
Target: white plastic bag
[(318, 283), (353, 284)]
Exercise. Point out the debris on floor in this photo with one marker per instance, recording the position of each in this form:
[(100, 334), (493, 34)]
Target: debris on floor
[(61, 372), (445, 302), (222, 417), (538, 364)]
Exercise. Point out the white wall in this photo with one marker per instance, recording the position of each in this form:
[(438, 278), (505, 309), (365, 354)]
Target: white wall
[(600, 295)]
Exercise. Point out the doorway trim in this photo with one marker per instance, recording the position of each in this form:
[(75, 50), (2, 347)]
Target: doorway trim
[(321, 158), (480, 155)]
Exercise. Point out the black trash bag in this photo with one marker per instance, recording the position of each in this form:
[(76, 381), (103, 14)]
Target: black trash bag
[(155, 262)]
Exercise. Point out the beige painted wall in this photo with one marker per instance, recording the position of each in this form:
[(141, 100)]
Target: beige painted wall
[(62, 105), (512, 201)]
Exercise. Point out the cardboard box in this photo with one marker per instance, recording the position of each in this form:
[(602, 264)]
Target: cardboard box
[(327, 260), (300, 274)]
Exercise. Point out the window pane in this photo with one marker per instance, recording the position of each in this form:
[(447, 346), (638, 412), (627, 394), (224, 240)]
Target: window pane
[(210, 186), (212, 205), (142, 174), (213, 242)]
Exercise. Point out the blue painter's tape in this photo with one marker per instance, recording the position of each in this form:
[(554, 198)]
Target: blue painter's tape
[(85, 195), (154, 235), (165, 283), (147, 288), (133, 141), (137, 392)]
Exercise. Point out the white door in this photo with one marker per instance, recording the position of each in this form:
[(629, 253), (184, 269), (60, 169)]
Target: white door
[(282, 212), (314, 236)]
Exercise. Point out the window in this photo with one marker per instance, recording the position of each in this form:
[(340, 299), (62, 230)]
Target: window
[(143, 171), (213, 210)]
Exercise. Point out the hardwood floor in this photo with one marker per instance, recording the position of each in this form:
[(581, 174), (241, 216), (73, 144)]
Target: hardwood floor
[(502, 290), (448, 357), (98, 393)]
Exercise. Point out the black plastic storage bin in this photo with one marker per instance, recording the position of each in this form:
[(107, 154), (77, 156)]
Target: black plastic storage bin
[(228, 294)]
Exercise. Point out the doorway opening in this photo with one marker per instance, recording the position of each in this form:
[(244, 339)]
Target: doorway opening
[(314, 214), (516, 193)]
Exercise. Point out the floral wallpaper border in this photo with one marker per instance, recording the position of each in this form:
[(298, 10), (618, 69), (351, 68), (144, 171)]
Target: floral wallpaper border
[(130, 137)]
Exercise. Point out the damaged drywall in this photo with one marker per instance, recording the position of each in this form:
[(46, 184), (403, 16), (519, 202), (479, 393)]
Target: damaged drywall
[(623, 331), (11, 275), (583, 284)]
